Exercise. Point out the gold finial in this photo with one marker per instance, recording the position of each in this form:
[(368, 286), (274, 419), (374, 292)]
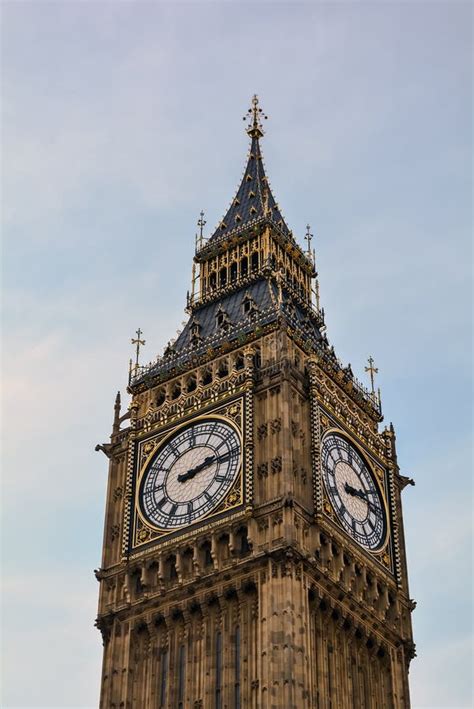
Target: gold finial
[(372, 372), (138, 341), (308, 237), (201, 224), (316, 293), (254, 116)]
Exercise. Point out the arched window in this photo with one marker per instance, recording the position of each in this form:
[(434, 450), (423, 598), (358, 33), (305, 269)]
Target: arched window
[(181, 676), (176, 391), (223, 277), (137, 583), (191, 384), (233, 271), (170, 566), (257, 359), (207, 555), (218, 670), (207, 376), (212, 281), (254, 261), (164, 677), (237, 668), (244, 267), (223, 369)]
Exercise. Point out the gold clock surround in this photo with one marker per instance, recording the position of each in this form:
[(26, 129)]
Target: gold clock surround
[(143, 532), (379, 479)]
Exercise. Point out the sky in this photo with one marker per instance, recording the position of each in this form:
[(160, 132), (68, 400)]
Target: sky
[(120, 122)]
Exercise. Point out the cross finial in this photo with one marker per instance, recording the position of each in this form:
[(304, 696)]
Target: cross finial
[(254, 117), (308, 237), (372, 372), (138, 341)]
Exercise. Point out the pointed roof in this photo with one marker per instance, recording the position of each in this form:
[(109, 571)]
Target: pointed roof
[(254, 200)]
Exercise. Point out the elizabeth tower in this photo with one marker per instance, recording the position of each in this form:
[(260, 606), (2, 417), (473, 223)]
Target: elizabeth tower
[(253, 549)]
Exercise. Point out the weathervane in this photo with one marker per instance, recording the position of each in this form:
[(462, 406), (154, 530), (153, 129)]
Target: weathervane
[(138, 341), (372, 371), (254, 117)]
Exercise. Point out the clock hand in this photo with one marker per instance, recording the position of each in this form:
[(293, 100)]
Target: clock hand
[(352, 491), (207, 461), (191, 473), (361, 494), (223, 458)]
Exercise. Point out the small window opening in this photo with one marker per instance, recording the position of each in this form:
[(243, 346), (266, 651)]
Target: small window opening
[(206, 548), (176, 391), (207, 376), (222, 319), (172, 574), (223, 370), (191, 384)]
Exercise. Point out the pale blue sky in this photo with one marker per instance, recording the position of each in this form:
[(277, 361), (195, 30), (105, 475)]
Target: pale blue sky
[(120, 122)]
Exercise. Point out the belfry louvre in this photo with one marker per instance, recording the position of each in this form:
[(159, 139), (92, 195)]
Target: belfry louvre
[(253, 550)]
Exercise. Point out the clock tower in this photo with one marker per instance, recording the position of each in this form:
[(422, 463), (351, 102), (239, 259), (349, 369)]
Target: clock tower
[(253, 551)]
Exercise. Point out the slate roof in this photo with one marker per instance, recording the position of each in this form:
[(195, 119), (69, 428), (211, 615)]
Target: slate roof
[(264, 294), (260, 292), (254, 199)]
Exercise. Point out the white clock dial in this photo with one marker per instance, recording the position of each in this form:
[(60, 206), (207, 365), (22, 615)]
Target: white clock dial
[(190, 474), (353, 492)]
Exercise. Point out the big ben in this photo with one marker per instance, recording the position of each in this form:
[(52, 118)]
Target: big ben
[(253, 550)]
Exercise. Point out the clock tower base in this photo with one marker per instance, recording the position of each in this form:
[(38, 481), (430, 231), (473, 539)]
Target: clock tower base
[(298, 645)]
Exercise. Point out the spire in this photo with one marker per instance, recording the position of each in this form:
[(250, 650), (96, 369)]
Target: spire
[(254, 201)]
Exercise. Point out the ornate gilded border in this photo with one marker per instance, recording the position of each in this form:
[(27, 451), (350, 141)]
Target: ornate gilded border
[(381, 475), (138, 533)]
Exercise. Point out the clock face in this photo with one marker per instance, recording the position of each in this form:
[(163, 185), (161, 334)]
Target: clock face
[(190, 474), (353, 492)]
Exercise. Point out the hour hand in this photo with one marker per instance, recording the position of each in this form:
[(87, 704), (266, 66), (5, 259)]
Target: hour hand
[(361, 494), (355, 493), (352, 491), (191, 473)]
